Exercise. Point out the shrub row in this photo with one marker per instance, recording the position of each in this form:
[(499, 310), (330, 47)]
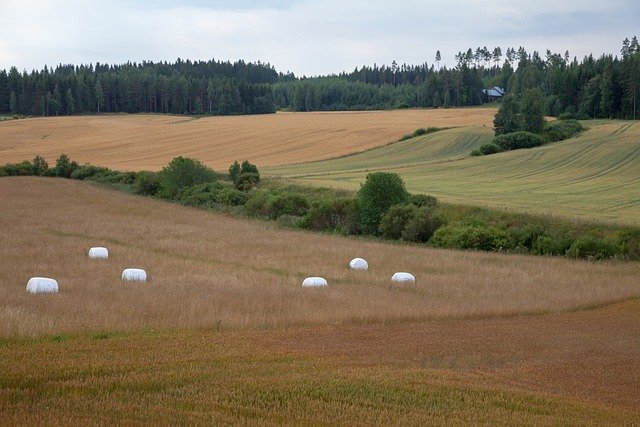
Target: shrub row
[(382, 208), (555, 131)]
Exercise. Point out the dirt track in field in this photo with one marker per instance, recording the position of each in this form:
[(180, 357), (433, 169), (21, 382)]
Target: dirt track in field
[(149, 142)]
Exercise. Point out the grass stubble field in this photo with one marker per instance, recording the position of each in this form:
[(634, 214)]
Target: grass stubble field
[(223, 332), (149, 142)]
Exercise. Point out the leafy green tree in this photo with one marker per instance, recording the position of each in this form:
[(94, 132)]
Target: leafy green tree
[(183, 172), (40, 166), (380, 191), (64, 166), (247, 166), (394, 221), (532, 111), (506, 119)]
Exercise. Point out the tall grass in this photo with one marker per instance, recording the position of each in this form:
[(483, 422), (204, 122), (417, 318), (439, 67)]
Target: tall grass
[(207, 269)]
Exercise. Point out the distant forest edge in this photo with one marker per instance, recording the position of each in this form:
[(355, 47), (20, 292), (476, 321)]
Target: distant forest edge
[(606, 87)]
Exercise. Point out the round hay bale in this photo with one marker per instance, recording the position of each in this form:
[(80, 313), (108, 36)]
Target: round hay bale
[(314, 282), (403, 277), (358, 264), (42, 285), (98, 253), (134, 274)]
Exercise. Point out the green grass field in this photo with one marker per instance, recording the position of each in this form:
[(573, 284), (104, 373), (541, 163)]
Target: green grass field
[(594, 176)]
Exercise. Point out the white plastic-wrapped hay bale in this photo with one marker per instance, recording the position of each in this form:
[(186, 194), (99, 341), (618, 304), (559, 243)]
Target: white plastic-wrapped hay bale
[(359, 264), (98, 252), (134, 274), (314, 282), (42, 285), (401, 276)]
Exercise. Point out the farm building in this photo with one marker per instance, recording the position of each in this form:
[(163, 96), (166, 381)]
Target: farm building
[(494, 93)]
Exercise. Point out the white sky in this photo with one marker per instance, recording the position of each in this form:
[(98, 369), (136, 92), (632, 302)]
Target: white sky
[(303, 36)]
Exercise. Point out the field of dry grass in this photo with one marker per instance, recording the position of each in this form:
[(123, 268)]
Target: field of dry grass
[(208, 269), (224, 333), (149, 142)]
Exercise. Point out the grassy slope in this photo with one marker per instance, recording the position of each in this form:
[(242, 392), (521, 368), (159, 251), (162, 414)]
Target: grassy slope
[(360, 351), (595, 176)]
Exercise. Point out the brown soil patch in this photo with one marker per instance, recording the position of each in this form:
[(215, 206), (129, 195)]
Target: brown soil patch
[(149, 142)]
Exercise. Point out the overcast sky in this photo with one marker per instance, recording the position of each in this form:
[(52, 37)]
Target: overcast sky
[(303, 36)]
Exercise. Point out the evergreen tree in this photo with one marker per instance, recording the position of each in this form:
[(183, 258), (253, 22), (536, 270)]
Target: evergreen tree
[(71, 106), (56, 100), (99, 96)]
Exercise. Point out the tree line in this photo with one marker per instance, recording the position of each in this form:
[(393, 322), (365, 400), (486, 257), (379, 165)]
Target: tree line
[(183, 87), (606, 87)]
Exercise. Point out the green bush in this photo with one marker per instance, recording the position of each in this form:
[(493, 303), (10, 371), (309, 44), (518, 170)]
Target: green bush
[(87, 171), (424, 201), (524, 238), (286, 204), (339, 214), (630, 244), (181, 173), (24, 168), (380, 191), (421, 227), (560, 130), (147, 183), (481, 238), (247, 180), (517, 140), (231, 197), (551, 246), (64, 166), (489, 148), (200, 194), (590, 247), (256, 205), (395, 220), (114, 177)]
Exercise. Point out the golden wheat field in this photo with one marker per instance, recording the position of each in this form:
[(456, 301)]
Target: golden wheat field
[(149, 142), (223, 332)]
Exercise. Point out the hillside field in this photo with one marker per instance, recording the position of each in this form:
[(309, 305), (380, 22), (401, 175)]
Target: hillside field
[(594, 176), (149, 142), (224, 333)]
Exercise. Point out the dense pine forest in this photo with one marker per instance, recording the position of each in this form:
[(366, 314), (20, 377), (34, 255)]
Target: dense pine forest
[(606, 87)]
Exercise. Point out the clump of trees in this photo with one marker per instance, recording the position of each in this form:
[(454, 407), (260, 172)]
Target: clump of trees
[(520, 123)]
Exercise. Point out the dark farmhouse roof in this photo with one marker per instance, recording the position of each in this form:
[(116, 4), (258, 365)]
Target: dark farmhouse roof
[(496, 92)]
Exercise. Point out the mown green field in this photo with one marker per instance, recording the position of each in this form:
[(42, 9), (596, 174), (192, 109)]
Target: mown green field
[(594, 176)]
